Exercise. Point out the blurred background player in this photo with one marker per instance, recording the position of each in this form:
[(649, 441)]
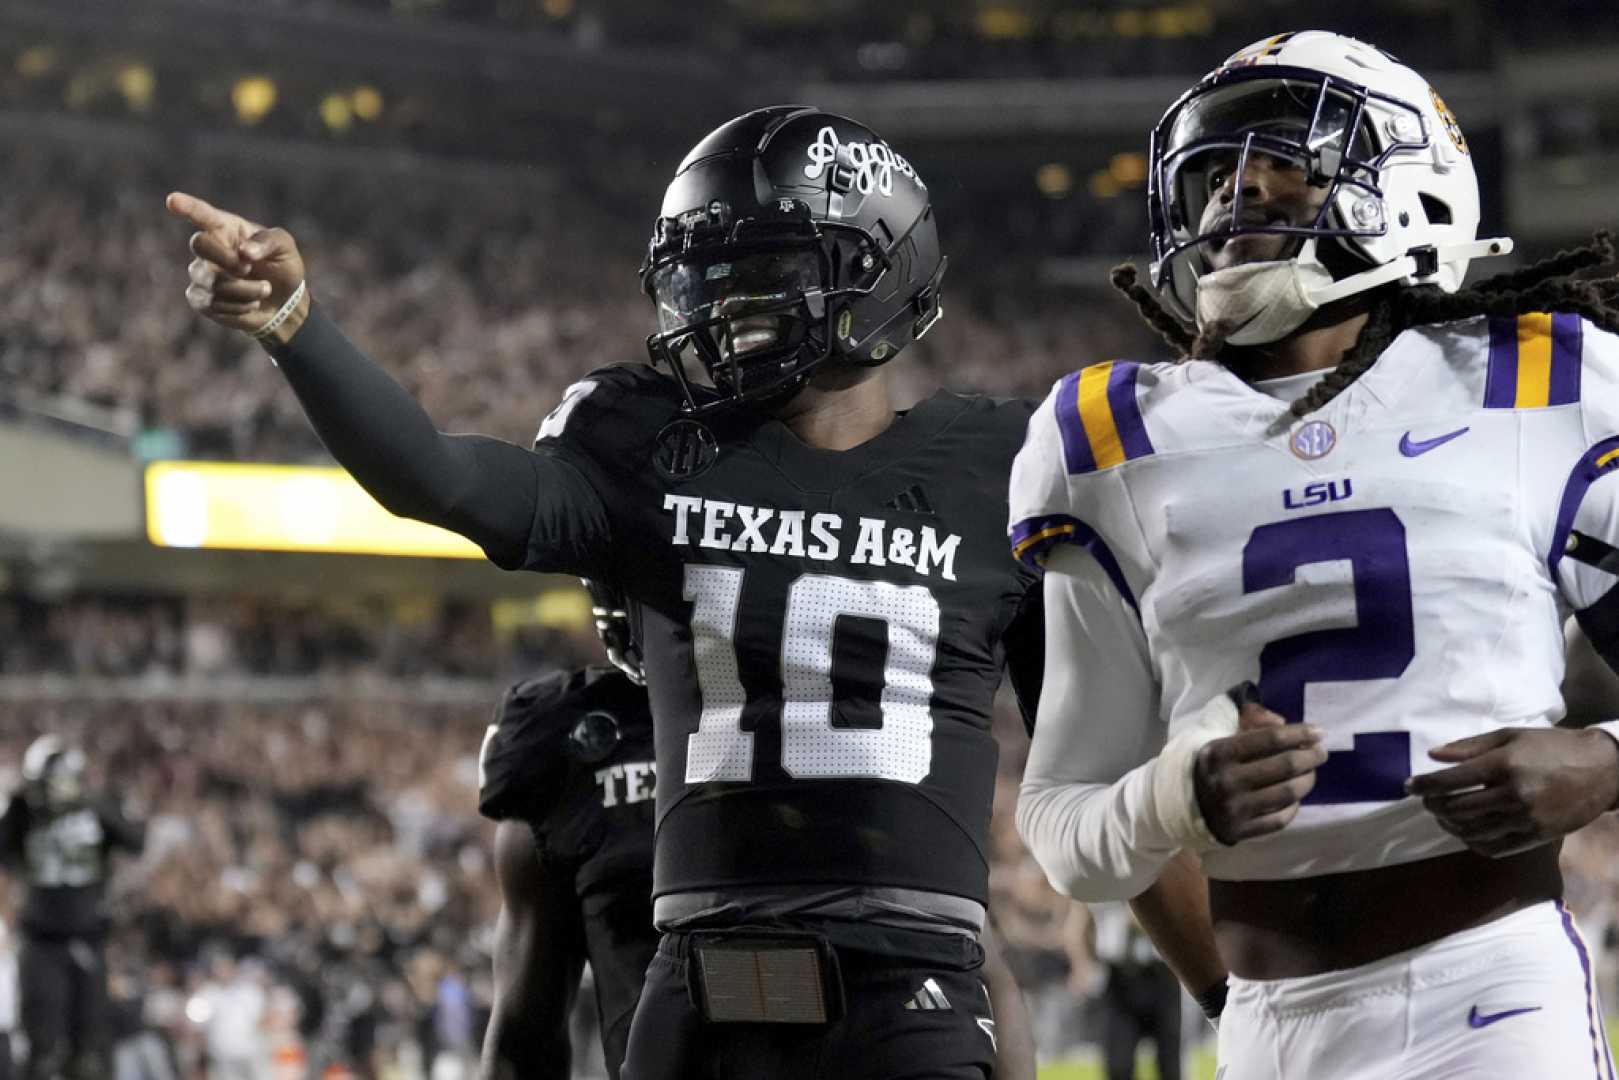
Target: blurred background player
[(59, 838), (1141, 998), (1341, 635), (567, 770)]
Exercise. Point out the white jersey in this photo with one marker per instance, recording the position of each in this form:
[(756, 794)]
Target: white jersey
[(1391, 569)]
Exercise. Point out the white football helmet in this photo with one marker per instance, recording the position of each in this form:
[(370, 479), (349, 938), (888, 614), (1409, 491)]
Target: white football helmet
[(1402, 201)]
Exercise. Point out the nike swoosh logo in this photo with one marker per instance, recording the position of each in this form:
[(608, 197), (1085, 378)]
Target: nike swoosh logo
[(1478, 1019), (1416, 449)]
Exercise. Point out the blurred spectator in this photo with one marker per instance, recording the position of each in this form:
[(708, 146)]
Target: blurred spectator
[(232, 1005)]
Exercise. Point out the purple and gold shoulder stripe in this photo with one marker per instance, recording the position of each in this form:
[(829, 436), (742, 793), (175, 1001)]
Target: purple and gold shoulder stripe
[(1100, 418), (1534, 361), (1033, 538)]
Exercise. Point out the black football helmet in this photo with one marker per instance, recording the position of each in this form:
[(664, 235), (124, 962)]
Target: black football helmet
[(788, 237), (53, 773)]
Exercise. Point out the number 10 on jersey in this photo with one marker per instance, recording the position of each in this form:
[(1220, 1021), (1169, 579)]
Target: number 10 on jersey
[(900, 749)]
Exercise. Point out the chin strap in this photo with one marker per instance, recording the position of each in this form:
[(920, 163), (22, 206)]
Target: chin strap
[(1418, 262)]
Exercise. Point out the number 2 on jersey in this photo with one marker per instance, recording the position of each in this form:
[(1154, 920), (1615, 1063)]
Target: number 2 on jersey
[(1380, 645), (901, 749)]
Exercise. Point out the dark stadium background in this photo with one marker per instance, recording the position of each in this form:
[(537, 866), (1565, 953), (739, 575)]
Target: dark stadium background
[(473, 182)]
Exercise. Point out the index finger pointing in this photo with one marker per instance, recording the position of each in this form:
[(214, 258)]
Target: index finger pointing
[(199, 213)]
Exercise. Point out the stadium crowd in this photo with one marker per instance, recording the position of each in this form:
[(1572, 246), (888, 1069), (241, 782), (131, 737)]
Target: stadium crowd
[(485, 305)]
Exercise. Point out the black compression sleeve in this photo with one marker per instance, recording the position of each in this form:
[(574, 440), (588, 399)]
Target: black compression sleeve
[(1025, 644), (482, 488)]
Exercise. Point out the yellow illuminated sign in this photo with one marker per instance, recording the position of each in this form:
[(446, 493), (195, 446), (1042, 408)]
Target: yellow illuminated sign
[(282, 508)]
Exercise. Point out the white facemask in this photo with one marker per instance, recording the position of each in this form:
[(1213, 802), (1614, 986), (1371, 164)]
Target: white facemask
[(1264, 301)]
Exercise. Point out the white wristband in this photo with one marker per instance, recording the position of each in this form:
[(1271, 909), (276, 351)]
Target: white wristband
[(1174, 792), (1611, 727), (281, 316)]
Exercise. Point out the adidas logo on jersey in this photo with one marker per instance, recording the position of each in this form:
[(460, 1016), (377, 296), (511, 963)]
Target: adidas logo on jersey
[(929, 999), (913, 500)]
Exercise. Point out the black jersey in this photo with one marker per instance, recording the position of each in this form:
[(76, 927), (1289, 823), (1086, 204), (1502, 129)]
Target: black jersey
[(65, 857), (822, 631), (571, 755)]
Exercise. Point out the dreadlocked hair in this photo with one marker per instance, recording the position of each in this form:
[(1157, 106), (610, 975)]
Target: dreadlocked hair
[(1126, 279), (1548, 285)]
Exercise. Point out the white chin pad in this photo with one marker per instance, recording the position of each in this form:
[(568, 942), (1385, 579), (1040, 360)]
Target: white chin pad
[(1261, 301)]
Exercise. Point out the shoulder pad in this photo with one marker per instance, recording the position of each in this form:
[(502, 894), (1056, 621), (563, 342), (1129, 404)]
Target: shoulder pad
[(1091, 422), (541, 733), (612, 410), (1535, 360), (523, 757), (1097, 413)]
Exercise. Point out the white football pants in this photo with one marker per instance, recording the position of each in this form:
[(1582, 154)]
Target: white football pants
[(1513, 999)]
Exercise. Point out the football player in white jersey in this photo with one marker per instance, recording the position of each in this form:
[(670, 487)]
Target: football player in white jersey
[(1305, 589)]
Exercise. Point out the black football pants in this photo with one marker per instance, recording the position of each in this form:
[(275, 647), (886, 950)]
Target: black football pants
[(62, 987), (894, 1026)]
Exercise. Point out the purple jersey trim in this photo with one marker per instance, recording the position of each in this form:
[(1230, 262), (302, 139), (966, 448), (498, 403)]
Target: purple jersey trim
[(1121, 398), (1076, 446), (1568, 330), (1501, 378), (1585, 473), (1033, 538), (1600, 1054)]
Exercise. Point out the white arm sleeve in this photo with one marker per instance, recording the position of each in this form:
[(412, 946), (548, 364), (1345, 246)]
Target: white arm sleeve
[(1086, 809)]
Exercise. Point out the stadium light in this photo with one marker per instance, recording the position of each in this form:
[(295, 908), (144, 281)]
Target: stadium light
[(1129, 169), (336, 113), (36, 62), (1055, 180), (201, 504), (138, 85), (253, 97), (366, 103)]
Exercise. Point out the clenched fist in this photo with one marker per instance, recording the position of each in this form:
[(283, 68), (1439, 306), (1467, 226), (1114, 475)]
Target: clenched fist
[(242, 273), (1251, 783)]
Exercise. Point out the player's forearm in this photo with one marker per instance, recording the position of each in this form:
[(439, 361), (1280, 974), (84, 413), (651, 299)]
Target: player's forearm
[(527, 1037), (1095, 841), (473, 485), (1174, 912)]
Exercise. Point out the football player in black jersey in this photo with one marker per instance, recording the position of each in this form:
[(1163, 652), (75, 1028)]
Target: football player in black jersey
[(567, 769), (60, 841), (825, 605)]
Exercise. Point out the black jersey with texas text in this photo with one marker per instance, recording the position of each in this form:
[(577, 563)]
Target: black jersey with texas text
[(822, 631), (571, 755), (65, 856)]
